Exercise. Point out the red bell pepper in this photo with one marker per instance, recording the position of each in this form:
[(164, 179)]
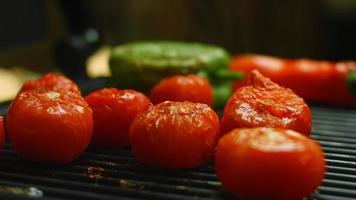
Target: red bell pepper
[(319, 81)]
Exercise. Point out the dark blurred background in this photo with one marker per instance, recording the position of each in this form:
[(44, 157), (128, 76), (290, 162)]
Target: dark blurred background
[(45, 35)]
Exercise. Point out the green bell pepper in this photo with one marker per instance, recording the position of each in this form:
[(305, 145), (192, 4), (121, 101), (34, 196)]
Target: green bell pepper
[(141, 65)]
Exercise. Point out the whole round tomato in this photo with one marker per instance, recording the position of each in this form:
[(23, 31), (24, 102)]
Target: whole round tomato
[(175, 135), (51, 82), (113, 112), (267, 163), (263, 103), (2, 133), (51, 126), (183, 88)]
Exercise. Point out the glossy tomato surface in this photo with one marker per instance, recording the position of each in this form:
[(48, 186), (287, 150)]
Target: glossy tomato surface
[(267, 163), (50, 126), (53, 82), (263, 103), (183, 88), (113, 112), (175, 135), (2, 133)]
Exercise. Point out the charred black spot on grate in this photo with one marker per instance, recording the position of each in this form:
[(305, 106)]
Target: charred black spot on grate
[(102, 174)]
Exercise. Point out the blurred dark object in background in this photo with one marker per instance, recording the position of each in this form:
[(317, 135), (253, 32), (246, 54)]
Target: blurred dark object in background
[(339, 22), (24, 29), (44, 34), (73, 51), (21, 22)]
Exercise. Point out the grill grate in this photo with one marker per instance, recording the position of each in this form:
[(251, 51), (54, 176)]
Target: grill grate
[(124, 178)]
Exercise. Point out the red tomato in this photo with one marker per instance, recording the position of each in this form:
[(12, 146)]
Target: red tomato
[(2, 133), (183, 88), (175, 135), (51, 126), (267, 163), (263, 103), (51, 82), (113, 112)]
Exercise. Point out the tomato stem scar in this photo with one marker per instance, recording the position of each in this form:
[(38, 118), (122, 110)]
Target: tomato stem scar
[(53, 95)]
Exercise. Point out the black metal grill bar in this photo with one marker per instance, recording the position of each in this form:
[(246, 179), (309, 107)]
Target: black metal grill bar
[(334, 139), (337, 191), (79, 165), (338, 145), (340, 163), (334, 129), (351, 123), (343, 170), (339, 134), (331, 197), (204, 185), (338, 112), (339, 184), (343, 157), (60, 193), (341, 176), (329, 127), (109, 180), (156, 193), (333, 113)]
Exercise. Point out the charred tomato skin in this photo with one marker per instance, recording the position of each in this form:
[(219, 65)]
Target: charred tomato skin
[(190, 87), (262, 103), (175, 135), (53, 82), (113, 113), (267, 163), (49, 126)]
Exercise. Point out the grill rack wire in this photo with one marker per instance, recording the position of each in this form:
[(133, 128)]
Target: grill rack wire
[(121, 177)]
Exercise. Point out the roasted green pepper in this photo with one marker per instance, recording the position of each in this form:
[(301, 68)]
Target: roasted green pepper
[(141, 65)]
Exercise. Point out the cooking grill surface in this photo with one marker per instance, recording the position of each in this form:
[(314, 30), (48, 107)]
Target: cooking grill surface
[(119, 176)]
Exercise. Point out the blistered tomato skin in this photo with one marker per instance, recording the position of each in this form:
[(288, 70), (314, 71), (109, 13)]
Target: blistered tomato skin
[(267, 163), (53, 82), (183, 88), (49, 126), (2, 133), (262, 103), (113, 112), (175, 135)]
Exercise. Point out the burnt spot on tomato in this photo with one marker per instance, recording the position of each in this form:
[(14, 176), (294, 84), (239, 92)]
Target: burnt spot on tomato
[(53, 95)]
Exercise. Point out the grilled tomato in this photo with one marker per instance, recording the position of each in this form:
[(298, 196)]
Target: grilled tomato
[(268, 163), (113, 112), (49, 126), (53, 82), (175, 135), (183, 88), (263, 103)]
